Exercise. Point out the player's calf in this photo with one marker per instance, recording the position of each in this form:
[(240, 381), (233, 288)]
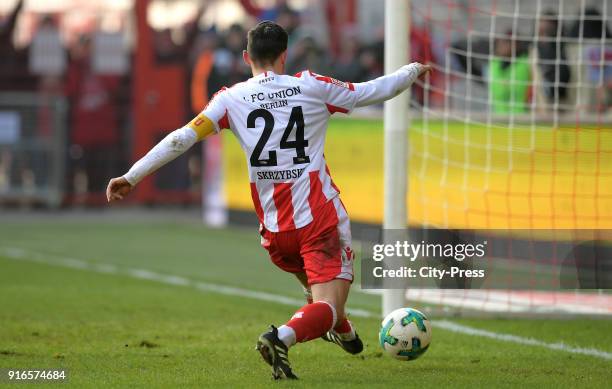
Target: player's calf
[(308, 295), (310, 322)]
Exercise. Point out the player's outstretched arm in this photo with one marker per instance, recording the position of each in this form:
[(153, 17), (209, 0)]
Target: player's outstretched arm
[(173, 145), (386, 87)]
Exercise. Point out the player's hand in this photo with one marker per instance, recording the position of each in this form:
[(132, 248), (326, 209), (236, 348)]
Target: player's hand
[(424, 69), (117, 189)]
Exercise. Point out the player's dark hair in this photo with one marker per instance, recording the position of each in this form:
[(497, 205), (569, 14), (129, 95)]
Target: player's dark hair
[(266, 42)]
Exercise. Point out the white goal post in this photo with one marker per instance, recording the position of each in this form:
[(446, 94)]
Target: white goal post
[(397, 14)]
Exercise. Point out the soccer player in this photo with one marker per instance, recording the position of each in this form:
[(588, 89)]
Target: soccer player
[(280, 122)]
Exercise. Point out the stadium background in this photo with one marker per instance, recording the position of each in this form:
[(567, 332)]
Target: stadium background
[(153, 80), (88, 87)]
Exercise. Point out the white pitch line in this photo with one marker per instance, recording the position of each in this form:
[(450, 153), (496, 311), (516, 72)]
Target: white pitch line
[(454, 327), (143, 274)]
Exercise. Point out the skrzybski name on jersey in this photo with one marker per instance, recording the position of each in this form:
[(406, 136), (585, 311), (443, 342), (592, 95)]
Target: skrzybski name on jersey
[(280, 174)]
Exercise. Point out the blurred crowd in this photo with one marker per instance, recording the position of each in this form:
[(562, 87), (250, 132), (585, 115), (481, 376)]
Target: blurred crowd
[(521, 66), (100, 103), (97, 107)]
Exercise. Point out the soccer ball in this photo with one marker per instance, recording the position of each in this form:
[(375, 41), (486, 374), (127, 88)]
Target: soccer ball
[(405, 334)]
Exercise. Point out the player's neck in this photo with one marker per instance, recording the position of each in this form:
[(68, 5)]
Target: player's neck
[(276, 69)]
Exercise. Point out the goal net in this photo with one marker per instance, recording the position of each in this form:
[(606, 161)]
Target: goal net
[(512, 136)]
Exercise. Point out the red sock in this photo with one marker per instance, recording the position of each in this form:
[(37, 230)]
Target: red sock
[(345, 329), (343, 326), (312, 321)]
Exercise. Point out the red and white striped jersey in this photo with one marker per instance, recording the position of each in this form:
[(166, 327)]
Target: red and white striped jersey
[(281, 122)]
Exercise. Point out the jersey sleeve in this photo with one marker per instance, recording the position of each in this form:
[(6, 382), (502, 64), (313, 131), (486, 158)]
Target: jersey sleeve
[(388, 86), (216, 110), (338, 96)]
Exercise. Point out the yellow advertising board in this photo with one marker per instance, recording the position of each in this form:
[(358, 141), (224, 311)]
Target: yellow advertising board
[(466, 176)]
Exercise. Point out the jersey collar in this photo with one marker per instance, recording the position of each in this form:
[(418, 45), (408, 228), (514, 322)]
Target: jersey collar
[(266, 74)]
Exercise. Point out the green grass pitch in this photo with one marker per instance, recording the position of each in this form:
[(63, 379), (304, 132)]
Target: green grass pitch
[(111, 330)]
